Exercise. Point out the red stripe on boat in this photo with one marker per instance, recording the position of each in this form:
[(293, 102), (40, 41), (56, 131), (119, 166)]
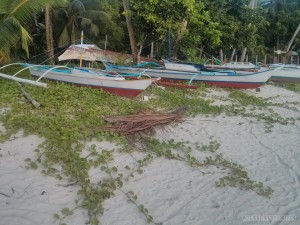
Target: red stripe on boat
[(223, 84), (234, 85)]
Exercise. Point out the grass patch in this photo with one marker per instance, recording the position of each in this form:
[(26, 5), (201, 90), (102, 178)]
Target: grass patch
[(70, 115), (292, 87)]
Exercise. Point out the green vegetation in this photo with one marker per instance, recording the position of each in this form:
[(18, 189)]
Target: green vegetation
[(15, 17), (199, 28), (292, 87), (69, 116)]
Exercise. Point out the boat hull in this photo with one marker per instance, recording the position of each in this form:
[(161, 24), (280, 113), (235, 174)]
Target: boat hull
[(288, 74), (115, 85), (242, 81), (285, 79)]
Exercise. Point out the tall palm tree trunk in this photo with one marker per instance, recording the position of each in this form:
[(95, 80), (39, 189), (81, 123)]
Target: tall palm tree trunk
[(49, 34), (293, 38), (253, 4), (130, 30), (73, 35)]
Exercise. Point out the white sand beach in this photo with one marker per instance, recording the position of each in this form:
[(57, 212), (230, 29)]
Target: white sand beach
[(174, 192)]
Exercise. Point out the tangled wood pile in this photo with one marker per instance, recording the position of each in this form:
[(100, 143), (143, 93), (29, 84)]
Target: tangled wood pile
[(143, 123)]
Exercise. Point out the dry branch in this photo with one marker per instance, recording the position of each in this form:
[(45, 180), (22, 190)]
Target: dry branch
[(143, 123), (27, 96)]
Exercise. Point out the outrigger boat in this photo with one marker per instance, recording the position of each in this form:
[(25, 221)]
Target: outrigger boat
[(220, 79), (94, 78), (237, 66), (113, 83), (290, 73)]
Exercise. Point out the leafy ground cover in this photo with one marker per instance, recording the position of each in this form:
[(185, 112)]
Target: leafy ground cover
[(69, 116)]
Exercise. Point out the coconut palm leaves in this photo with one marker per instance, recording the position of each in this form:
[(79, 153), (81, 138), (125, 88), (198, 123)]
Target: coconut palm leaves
[(11, 32), (14, 14), (77, 17)]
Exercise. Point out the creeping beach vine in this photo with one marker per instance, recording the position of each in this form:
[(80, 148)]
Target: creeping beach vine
[(70, 117)]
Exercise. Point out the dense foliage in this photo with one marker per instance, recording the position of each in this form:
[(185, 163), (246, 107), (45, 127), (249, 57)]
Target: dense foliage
[(199, 28)]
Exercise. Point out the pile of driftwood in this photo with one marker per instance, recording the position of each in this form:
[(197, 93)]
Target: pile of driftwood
[(143, 123)]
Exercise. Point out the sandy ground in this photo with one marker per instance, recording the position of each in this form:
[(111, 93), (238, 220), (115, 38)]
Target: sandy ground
[(173, 192)]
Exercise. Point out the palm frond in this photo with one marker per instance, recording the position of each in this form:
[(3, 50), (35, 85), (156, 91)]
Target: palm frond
[(23, 9), (95, 15), (77, 6), (64, 38), (94, 30), (10, 32), (92, 4), (4, 56), (90, 26), (13, 31), (13, 15), (25, 39)]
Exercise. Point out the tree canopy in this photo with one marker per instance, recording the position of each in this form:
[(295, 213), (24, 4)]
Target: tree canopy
[(198, 28), (14, 19)]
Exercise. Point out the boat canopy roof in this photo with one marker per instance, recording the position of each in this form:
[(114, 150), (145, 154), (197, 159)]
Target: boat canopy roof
[(88, 52)]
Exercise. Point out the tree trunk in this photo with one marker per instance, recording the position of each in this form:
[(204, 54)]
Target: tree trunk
[(243, 55), (253, 4), (181, 32), (221, 56), (232, 55), (293, 38), (152, 50), (139, 53), (130, 30), (49, 34), (73, 37), (201, 51)]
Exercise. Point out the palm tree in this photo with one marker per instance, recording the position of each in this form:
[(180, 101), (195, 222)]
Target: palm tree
[(293, 38), (71, 20), (13, 18), (49, 33), (130, 30), (274, 6)]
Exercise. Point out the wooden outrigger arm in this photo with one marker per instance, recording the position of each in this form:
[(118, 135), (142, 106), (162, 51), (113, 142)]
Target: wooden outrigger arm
[(22, 80)]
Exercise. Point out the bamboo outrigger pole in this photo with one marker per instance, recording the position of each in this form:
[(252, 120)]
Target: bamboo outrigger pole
[(21, 80)]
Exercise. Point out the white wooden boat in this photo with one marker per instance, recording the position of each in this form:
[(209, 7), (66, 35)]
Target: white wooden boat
[(114, 84), (290, 73), (220, 79)]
